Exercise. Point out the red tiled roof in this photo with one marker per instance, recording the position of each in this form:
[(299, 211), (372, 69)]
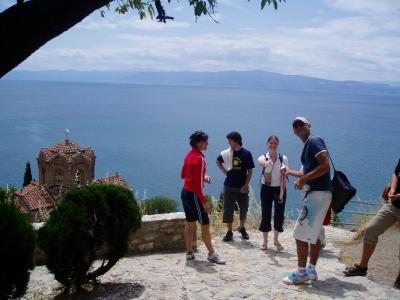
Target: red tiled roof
[(35, 196), (114, 179), (57, 191), (67, 149), (21, 207)]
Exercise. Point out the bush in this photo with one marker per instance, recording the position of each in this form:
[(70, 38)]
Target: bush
[(158, 205), (17, 244), (92, 221)]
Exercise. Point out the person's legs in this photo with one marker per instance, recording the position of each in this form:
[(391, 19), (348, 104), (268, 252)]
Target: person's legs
[(189, 236), (279, 216), (229, 206), (314, 252), (206, 236), (383, 220), (302, 253), (266, 211), (243, 203)]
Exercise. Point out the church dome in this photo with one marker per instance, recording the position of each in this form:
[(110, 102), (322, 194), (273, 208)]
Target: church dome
[(68, 149)]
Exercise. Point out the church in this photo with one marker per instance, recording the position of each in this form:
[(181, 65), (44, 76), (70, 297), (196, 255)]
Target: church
[(61, 167)]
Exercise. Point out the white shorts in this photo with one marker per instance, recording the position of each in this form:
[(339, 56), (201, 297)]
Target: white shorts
[(309, 224)]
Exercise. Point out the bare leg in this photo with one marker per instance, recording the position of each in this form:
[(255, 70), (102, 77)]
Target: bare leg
[(264, 244), (189, 236), (229, 226), (314, 252), (276, 237), (368, 250), (302, 253), (242, 223), (206, 235)]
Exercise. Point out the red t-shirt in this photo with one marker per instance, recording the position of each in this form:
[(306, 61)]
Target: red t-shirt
[(193, 173)]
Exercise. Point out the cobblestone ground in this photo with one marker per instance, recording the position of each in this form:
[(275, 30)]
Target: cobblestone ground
[(249, 273)]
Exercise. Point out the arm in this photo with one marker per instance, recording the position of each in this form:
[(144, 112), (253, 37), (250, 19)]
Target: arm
[(221, 167), (245, 188), (393, 186), (294, 173), (323, 167), (198, 181)]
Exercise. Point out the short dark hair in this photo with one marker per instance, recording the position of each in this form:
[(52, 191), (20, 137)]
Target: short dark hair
[(197, 137), (273, 137), (235, 136)]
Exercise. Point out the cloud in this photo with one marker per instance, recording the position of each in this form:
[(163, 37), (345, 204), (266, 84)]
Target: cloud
[(373, 7), (135, 23)]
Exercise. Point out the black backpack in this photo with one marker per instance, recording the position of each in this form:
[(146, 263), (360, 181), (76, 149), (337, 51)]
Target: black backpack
[(342, 191)]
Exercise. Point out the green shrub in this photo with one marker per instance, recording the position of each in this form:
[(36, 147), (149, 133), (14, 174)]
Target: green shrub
[(17, 244), (93, 221), (158, 205)]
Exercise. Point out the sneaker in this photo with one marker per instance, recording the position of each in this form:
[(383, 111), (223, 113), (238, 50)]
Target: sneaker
[(243, 232), (355, 270), (215, 258), (312, 274), (294, 278), (190, 256), (228, 236), (397, 285)]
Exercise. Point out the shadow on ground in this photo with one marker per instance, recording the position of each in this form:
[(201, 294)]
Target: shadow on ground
[(107, 290)]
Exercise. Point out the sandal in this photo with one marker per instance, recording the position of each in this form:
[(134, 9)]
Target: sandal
[(278, 246), (264, 246), (355, 270)]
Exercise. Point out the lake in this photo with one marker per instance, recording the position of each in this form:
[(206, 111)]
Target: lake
[(142, 131)]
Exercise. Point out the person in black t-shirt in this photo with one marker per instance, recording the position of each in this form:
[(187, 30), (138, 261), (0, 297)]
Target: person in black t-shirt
[(383, 220), (236, 163)]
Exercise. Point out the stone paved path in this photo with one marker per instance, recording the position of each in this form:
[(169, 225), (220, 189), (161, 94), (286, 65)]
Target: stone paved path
[(249, 274)]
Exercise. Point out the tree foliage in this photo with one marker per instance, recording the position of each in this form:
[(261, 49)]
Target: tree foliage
[(158, 205), (27, 175), (17, 244), (28, 25), (93, 221)]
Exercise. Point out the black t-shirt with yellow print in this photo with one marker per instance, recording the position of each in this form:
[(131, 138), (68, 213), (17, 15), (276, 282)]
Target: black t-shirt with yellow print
[(242, 160)]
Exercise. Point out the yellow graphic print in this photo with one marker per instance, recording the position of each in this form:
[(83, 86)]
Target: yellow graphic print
[(236, 164)]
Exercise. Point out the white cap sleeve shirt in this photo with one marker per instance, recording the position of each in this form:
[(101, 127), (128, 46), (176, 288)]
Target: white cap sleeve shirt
[(275, 170)]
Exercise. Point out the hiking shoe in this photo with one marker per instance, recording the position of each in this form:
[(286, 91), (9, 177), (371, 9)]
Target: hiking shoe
[(312, 274), (228, 236), (397, 285), (216, 259), (243, 232), (355, 270), (294, 278), (190, 256)]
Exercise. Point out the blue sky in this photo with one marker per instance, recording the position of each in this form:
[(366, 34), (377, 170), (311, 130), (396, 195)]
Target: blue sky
[(333, 39)]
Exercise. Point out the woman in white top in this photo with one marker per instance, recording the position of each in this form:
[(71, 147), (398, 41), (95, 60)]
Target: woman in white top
[(273, 190)]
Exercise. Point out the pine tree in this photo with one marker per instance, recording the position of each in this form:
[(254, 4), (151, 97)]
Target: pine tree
[(28, 174)]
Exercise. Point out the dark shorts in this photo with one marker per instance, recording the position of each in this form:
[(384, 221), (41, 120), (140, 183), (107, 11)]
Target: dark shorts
[(231, 197), (194, 210)]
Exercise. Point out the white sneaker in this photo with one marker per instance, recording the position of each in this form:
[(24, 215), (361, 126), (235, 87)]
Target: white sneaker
[(312, 274), (190, 256), (295, 279), (215, 258)]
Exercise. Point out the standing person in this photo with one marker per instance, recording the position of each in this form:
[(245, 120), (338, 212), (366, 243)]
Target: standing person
[(273, 190), (193, 200), (237, 164), (383, 220), (314, 180)]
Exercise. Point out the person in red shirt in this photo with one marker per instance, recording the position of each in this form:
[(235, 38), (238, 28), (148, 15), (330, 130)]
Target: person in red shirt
[(193, 199)]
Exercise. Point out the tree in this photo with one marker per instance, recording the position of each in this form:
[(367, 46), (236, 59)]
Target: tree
[(93, 221), (17, 246), (27, 175), (28, 25)]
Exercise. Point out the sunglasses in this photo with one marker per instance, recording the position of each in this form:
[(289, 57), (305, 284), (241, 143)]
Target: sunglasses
[(298, 124)]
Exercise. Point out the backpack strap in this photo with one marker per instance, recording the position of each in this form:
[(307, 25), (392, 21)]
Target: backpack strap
[(263, 170), (280, 158)]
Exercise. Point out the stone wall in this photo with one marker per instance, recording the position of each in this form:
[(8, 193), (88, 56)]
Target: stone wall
[(160, 233)]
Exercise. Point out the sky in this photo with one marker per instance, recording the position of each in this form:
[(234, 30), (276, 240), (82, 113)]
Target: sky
[(331, 39)]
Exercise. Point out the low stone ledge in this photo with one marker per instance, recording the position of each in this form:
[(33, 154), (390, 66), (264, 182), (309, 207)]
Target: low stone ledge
[(160, 233)]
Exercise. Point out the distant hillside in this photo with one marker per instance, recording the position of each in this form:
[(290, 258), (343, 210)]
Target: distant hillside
[(243, 79)]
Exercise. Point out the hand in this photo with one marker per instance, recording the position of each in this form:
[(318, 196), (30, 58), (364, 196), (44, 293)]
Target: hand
[(207, 209), (244, 189), (207, 179), (281, 198), (299, 184), (392, 196)]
